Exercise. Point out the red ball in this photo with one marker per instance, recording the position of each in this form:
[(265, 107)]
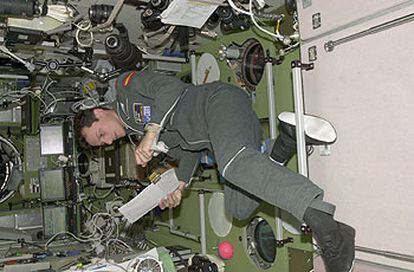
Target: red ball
[(225, 250)]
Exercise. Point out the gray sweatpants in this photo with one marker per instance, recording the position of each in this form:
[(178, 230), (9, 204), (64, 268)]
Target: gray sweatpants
[(235, 135)]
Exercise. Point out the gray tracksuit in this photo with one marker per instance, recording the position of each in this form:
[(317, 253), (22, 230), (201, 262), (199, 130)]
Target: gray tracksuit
[(218, 117)]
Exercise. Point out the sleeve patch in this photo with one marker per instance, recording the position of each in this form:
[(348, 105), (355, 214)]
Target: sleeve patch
[(142, 113), (128, 78)]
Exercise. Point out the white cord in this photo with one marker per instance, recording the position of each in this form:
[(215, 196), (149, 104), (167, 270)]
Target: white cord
[(96, 231), (276, 36), (250, 13), (23, 92), (160, 40), (233, 6), (105, 195), (86, 28), (120, 242), (46, 90)]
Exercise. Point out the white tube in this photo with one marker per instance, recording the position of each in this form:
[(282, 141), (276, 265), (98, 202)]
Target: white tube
[(203, 236), (271, 99), (299, 117), (163, 58), (273, 132), (193, 68)]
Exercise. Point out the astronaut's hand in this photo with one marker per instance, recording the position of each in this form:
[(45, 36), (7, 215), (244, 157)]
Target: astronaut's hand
[(144, 152), (173, 199)]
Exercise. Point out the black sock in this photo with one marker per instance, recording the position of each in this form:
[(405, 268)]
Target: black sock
[(319, 221), (283, 149)]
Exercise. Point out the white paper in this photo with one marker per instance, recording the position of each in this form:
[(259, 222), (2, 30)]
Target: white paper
[(193, 13), (150, 197)]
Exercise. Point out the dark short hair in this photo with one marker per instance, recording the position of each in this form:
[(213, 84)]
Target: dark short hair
[(84, 118)]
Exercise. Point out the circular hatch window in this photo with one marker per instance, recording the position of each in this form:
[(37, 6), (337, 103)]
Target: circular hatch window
[(261, 243), (253, 63)]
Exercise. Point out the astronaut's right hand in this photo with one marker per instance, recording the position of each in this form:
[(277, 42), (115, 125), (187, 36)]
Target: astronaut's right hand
[(144, 152)]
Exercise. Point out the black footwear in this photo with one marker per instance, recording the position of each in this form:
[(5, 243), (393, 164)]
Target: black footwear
[(318, 131), (338, 248), (336, 240)]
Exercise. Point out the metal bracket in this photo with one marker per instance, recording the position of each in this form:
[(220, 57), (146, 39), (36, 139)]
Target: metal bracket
[(303, 66), (316, 20), (281, 243)]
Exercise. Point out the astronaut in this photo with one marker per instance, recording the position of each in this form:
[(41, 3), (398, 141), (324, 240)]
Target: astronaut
[(183, 120)]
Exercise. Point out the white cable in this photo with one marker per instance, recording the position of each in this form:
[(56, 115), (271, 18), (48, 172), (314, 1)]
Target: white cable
[(52, 104), (160, 40), (90, 238), (276, 36), (105, 195), (233, 6), (69, 233), (81, 44), (26, 92), (121, 242), (86, 28), (46, 90), (251, 14), (37, 96)]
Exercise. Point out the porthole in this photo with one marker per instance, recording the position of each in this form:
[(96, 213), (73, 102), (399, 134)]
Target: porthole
[(261, 243)]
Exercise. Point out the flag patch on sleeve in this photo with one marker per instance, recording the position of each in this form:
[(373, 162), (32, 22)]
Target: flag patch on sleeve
[(128, 78)]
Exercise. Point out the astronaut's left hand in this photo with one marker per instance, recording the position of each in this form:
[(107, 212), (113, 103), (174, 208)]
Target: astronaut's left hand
[(173, 199)]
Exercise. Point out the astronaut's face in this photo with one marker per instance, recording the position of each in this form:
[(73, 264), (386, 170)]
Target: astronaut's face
[(107, 129)]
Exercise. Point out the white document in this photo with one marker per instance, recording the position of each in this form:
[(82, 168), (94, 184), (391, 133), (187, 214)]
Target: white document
[(193, 13), (150, 196)]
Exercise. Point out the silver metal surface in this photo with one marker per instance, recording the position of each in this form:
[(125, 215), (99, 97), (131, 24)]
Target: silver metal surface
[(28, 65), (51, 140), (271, 104), (32, 153), (13, 115), (386, 253), (28, 221), (22, 220), (300, 124), (52, 184), (164, 58), (330, 45), (271, 100), (203, 235), (54, 220), (193, 64)]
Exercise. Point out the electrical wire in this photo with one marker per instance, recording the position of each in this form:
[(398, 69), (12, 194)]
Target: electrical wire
[(105, 195), (277, 36), (87, 28), (233, 6), (22, 93), (250, 13), (161, 40), (97, 233)]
